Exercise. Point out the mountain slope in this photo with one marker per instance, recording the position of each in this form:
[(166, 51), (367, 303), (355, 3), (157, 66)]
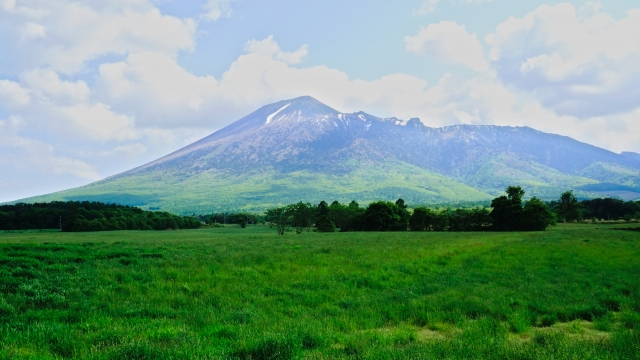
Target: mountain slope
[(301, 149)]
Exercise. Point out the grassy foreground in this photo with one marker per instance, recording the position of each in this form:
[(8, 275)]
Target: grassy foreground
[(572, 292)]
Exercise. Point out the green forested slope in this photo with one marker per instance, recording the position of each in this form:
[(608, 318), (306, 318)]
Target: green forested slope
[(215, 190)]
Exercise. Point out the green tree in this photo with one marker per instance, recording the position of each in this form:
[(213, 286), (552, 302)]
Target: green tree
[(469, 220), (354, 218), (441, 221), (382, 216), (339, 214), (424, 219), (536, 216), (404, 215), (507, 210), (278, 219), (569, 209), (302, 215), (418, 220), (324, 224), (480, 219), (501, 214), (515, 194), (323, 208)]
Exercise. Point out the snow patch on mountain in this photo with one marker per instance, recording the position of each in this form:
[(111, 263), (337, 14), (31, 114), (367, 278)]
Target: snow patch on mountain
[(270, 117)]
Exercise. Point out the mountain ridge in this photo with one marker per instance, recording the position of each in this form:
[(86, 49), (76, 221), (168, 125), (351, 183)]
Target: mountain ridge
[(304, 136)]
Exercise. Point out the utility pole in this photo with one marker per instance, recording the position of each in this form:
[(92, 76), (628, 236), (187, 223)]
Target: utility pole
[(60, 222)]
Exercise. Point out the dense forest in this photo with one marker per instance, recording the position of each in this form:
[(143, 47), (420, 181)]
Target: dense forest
[(507, 213), (88, 216)]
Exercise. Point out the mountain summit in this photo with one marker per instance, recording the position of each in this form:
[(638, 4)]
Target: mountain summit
[(302, 149), (291, 134)]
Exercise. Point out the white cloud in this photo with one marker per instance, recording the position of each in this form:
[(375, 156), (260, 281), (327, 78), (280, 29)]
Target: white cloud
[(448, 42), (7, 5), (98, 122), (33, 31), (48, 83), (12, 94), (157, 90), (29, 153), (160, 92), (215, 9), (576, 66), (76, 32), (427, 7), (47, 103), (271, 48), (591, 8)]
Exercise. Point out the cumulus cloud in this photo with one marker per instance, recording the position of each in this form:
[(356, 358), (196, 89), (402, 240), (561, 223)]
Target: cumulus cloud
[(160, 92), (426, 7), (64, 35), (33, 153), (271, 48), (98, 122), (13, 94), (580, 66), (51, 46), (47, 103), (215, 9), (591, 8), (33, 31), (448, 42), (47, 83)]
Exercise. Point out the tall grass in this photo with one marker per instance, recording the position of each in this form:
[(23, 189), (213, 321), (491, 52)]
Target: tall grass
[(573, 292)]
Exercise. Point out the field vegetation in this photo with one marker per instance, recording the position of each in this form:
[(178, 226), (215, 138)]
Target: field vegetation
[(571, 292)]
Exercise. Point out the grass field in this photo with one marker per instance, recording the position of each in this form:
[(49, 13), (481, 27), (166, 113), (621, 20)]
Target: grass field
[(572, 292)]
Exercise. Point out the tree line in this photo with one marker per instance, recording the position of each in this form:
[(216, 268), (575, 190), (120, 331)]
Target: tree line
[(570, 209), (509, 213), (241, 218), (74, 216)]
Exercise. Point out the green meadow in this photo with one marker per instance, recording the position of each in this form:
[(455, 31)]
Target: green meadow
[(572, 292)]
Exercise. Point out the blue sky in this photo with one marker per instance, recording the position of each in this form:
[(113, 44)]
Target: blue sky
[(92, 88)]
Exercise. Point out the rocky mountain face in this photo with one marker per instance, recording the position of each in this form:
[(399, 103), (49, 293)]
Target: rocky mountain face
[(301, 149)]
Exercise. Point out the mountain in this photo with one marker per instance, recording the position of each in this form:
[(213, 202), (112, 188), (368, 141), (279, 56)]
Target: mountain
[(301, 149)]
